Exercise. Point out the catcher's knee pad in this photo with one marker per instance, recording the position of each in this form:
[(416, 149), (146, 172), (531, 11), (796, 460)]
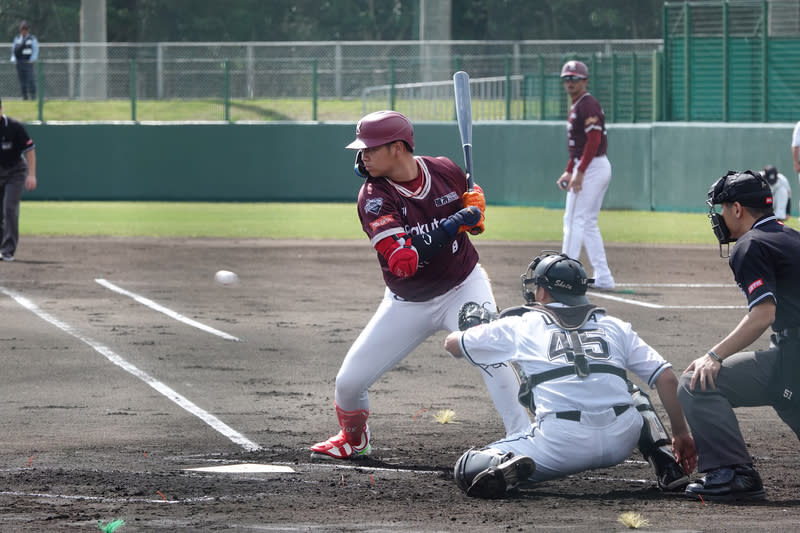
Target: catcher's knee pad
[(654, 434), (473, 462)]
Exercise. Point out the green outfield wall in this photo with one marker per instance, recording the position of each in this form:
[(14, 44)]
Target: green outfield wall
[(660, 166)]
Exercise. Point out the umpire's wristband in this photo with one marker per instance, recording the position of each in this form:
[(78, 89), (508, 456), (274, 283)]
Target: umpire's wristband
[(715, 357)]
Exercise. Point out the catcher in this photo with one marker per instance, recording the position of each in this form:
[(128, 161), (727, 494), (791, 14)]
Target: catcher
[(573, 360)]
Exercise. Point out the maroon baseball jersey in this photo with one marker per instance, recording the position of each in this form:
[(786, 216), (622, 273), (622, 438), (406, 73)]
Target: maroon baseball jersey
[(387, 208), (585, 115)]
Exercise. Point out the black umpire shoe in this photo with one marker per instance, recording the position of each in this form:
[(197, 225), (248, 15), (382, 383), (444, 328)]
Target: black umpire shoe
[(728, 483), (495, 481)]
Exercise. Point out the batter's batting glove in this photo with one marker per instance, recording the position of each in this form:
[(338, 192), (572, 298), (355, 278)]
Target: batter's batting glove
[(462, 220), (477, 199)]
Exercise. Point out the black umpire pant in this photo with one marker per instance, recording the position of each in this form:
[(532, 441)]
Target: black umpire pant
[(12, 184)]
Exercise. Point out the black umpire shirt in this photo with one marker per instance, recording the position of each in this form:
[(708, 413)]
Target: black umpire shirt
[(14, 141), (765, 262)]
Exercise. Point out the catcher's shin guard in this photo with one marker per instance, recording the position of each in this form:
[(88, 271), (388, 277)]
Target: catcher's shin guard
[(654, 444), (490, 473), (351, 442)]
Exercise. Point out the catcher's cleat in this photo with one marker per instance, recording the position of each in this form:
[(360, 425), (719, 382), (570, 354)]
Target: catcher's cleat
[(495, 481), (670, 476), (739, 482), (337, 447)]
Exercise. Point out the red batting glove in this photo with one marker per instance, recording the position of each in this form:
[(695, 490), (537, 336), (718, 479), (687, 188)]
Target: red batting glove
[(404, 261)]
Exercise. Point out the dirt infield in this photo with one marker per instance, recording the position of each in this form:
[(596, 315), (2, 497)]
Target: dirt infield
[(118, 378)]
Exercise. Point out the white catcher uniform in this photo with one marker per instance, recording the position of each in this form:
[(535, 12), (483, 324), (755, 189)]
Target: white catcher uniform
[(600, 427)]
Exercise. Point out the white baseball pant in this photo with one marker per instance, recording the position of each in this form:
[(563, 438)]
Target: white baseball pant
[(580, 220), (563, 447), (399, 326)]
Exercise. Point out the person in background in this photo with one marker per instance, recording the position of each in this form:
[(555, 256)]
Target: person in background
[(17, 172), (25, 52), (587, 174), (781, 192)]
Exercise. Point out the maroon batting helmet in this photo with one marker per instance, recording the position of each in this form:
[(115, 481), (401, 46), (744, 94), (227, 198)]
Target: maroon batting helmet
[(575, 68), (382, 127)]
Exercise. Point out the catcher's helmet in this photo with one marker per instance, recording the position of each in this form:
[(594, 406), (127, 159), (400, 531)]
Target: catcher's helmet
[(770, 173), (382, 127), (563, 277), (575, 68)]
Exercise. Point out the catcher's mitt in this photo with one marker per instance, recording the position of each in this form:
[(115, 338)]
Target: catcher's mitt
[(472, 314)]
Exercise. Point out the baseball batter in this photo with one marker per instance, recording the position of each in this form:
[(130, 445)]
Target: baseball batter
[(416, 211), (573, 358), (587, 174), (781, 192)]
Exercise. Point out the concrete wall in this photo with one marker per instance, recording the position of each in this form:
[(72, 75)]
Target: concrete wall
[(661, 166)]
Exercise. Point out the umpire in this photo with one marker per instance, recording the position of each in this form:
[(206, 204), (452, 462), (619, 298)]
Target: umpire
[(765, 261), (17, 171)]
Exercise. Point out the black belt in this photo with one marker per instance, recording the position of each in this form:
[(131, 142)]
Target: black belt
[(575, 416)]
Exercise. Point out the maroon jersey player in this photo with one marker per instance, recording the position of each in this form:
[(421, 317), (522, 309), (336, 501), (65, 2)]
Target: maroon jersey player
[(415, 211), (587, 174)]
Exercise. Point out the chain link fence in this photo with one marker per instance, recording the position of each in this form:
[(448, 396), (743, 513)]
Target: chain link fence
[(270, 80)]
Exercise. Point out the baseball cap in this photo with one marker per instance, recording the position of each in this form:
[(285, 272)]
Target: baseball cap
[(748, 188), (575, 68)]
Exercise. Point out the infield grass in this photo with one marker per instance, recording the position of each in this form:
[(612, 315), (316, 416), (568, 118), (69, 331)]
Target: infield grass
[(332, 221)]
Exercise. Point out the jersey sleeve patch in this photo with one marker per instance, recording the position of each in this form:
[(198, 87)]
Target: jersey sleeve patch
[(380, 222), (373, 205), (756, 284)]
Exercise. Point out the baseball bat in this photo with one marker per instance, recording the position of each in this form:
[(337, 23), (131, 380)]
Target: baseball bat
[(464, 117)]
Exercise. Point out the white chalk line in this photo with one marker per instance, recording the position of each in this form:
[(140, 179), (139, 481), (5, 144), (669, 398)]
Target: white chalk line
[(104, 499), (649, 305), (165, 390), (680, 285), (169, 312)]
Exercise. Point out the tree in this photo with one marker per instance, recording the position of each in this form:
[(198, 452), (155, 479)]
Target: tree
[(325, 20)]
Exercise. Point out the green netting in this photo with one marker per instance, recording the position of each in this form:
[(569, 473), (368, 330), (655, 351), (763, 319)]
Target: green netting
[(732, 61)]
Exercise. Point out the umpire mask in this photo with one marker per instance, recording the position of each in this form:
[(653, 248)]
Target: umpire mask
[(747, 188)]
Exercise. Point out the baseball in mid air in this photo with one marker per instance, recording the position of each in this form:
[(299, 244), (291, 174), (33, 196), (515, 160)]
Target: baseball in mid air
[(226, 277)]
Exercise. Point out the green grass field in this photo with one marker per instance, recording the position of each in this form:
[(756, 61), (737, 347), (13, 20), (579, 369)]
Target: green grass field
[(332, 221), (210, 109)]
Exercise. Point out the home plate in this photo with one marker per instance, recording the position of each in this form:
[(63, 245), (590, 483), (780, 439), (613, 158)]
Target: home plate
[(249, 468)]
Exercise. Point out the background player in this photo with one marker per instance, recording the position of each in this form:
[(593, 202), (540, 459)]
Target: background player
[(415, 210), (573, 359), (781, 192), (587, 175)]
